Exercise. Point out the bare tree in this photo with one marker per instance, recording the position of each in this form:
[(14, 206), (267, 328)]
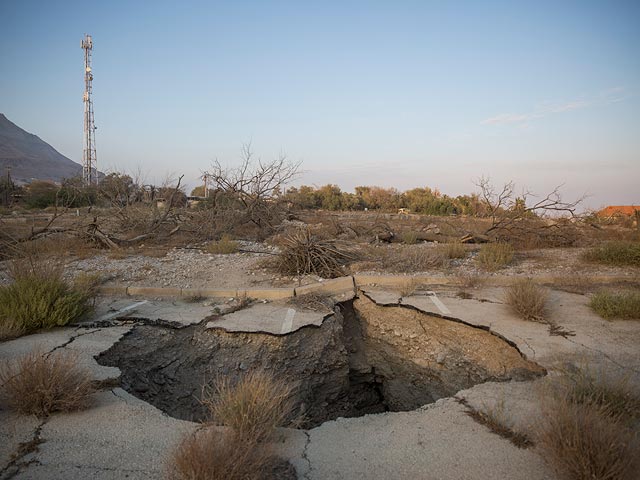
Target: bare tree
[(250, 192), (514, 215)]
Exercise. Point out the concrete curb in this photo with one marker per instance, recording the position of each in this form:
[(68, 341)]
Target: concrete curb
[(344, 285), (335, 286)]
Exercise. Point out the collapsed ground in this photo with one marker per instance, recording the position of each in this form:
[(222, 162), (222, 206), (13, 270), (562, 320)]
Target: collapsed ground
[(362, 359)]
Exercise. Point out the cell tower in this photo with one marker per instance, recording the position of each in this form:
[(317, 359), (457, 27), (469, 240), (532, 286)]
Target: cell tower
[(89, 158)]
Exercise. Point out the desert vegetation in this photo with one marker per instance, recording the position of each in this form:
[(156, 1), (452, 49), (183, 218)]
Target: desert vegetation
[(527, 299), (589, 426), (40, 383), (623, 304), (493, 256), (38, 297), (618, 253), (251, 408)]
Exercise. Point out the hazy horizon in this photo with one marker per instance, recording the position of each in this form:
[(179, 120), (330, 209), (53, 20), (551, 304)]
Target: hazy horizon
[(403, 95)]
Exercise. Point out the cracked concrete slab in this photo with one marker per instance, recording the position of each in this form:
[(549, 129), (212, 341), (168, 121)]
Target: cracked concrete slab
[(120, 436), (570, 311), (274, 318), (435, 442), (175, 312)]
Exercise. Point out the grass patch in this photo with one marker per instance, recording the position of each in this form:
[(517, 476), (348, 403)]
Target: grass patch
[(611, 394), (622, 304), (453, 250), (580, 443), (589, 426), (210, 455), (495, 419), (527, 299), (409, 238), (253, 407), (409, 287), (38, 297), (494, 256), (224, 246), (619, 253), (39, 384), (405, 258)]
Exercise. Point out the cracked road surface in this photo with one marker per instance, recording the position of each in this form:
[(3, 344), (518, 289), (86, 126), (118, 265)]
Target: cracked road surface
[(121, 436)]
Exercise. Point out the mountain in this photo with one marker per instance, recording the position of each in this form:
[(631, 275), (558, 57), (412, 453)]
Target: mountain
[(30, 157)]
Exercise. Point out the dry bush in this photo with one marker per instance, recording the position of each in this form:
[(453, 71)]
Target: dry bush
[(493, 256), (38, 297), (619, 253), (406, 258), (210, 455), (453, 250), (40, 384), (468, 281), (409, 287), (589, 425), (581, 443), (527, 299), (253, 407), (611, 393), (303, 253), (225, 246), (622, 304), (496, 420), (409, 238), (312, 301)]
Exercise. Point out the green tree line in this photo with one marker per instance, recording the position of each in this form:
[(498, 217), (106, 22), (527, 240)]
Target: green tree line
[(425, 200)]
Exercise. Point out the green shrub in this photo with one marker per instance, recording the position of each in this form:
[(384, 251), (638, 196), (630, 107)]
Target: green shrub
[(624, 304), (223, 246), (493, 256), (620, 253), (39, 297)]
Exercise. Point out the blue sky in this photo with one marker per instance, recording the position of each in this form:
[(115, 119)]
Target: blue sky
[(403, 94)]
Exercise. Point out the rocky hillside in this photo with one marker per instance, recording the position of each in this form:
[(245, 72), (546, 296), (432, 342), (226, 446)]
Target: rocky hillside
[(30, 157)]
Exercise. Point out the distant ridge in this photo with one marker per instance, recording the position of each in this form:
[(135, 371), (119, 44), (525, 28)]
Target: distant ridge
[(30, 157)]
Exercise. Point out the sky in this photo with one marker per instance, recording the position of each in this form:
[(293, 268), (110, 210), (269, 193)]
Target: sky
[(397, 94)]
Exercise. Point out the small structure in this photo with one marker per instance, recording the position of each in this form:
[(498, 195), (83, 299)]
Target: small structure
[(619, 211)]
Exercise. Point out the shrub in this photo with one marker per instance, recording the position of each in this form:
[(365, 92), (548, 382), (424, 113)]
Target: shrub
[(303, 253), (409, 238), (253, 407), (40, 384), (453, 250), (624, 305), (611, 394), (619, 253), (38, 297), (581, 443), (493, 256), (223, 246), (527, 299), (406, 258), (210, 455), (587, 429)]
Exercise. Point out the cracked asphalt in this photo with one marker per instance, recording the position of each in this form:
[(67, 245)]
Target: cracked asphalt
[(121, 436)]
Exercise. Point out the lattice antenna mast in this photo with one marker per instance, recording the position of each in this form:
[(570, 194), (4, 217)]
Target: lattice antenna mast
[(89, 158)]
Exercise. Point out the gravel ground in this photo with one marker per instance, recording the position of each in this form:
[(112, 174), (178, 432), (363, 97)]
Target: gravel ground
[(194, 268)]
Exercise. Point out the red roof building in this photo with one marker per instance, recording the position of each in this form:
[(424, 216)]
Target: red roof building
[(619, 210)]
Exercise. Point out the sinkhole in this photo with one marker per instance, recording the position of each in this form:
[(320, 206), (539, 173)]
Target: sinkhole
[(364, 358)]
